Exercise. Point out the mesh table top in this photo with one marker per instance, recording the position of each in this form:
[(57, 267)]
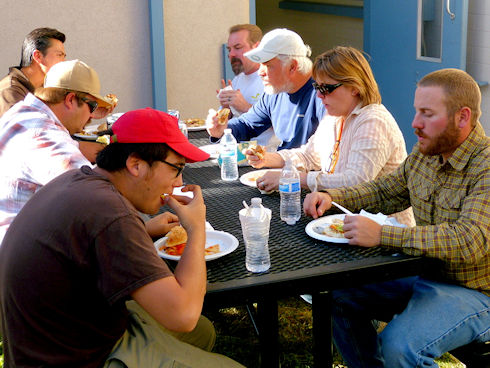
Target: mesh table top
[(294, 255)]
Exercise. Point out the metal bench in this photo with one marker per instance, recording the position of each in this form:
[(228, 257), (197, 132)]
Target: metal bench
[(474, 355)]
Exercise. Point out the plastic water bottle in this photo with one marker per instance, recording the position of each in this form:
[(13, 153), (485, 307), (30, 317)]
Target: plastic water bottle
[(229, 167), (255, 227), (290, 191)]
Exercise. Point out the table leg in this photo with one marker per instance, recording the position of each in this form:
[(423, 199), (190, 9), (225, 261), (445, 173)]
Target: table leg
[(322, 329), (268, 323)]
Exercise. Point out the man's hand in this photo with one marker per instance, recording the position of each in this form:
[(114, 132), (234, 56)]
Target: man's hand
[(102, 112), (316, 203), (214, 129), (90, 149), (159, 225), (362, 231), (235, 99), (192, 215)]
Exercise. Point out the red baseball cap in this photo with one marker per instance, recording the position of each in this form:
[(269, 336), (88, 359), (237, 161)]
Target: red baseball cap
[(153, 126)]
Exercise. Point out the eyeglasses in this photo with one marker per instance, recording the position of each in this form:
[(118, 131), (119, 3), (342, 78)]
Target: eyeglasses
[(326, 89), (91, 104), (178, 168)]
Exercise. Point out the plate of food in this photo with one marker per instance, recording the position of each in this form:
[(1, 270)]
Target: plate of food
[(251, 177), (87, 135), (195, 124), (218, 244), (328, 228)]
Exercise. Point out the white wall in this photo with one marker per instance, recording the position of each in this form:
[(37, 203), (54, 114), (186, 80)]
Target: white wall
[(478, 52), (112, 36)]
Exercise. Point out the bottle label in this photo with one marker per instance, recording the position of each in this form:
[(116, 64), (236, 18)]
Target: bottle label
[(227, 154), (290, 187)]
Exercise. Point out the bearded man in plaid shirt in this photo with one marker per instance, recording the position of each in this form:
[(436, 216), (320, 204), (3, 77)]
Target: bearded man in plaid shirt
[(446, 180)]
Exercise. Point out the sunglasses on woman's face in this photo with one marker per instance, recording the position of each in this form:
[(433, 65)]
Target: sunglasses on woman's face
[(326, 89)]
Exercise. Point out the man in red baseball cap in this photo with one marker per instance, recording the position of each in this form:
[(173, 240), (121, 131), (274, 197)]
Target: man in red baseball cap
[(94, 291)]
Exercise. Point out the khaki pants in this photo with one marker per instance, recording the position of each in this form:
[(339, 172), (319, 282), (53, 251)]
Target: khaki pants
[(146, 343)]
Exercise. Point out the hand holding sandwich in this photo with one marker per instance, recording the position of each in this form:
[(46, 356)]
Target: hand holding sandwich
[(216, 122)]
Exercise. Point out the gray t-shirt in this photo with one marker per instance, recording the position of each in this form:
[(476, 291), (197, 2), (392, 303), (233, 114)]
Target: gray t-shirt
[(69, 261)]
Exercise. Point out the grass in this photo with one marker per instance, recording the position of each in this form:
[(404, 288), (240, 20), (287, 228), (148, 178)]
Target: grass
[(237, 339)]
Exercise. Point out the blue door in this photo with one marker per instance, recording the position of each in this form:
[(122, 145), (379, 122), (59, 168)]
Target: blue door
[(407, 39)]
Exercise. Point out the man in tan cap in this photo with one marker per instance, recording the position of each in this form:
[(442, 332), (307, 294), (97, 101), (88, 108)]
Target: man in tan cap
[(35, 141)]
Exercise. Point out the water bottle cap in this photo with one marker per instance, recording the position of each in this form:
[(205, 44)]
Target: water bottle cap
[(256, 201), (227, 130)]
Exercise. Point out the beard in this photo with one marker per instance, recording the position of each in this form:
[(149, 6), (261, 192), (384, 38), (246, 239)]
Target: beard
[(274, 90), (444, 142), (236, 65)]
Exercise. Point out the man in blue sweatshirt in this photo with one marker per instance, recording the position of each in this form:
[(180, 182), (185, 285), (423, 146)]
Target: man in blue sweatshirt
[(289, 103)]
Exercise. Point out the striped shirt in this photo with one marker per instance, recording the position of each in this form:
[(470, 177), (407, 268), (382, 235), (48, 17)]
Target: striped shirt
[(371, 146), (35, 147), (451, 204)]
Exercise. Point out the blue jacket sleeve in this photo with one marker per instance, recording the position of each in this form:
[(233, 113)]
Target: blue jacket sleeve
[(253, 122)]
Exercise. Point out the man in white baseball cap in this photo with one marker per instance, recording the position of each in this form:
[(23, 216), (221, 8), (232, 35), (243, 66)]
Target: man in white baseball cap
[(289, 103)]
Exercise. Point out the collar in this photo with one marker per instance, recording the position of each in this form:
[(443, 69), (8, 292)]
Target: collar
[(475, 141)]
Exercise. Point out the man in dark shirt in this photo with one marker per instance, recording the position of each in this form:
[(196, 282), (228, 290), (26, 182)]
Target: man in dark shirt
[(81, 284)]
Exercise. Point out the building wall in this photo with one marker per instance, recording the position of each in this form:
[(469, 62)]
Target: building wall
[(194, 35), (320, 31), (112, 36), (478, 52)]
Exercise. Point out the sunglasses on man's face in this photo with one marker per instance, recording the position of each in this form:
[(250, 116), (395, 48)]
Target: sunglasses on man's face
[(91, 104), (326, 89)]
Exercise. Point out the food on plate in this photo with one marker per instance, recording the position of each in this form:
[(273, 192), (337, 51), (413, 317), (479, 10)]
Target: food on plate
[(177, 240), (257, 150), (103, 139), (335, 229), (213, 249), (85, 132), (177, 235), (223, 115), (102, 127), (191, 123)]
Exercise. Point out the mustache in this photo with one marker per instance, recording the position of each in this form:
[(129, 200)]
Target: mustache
[(235, 60), (419, 133)]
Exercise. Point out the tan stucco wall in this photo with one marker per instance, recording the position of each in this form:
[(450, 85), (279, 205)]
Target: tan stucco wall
[(320, 31), (194, 34), (112, 36)]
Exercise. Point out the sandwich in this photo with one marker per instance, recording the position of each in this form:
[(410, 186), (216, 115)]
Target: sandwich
[(257, 150), (223, 115), (176, 241)]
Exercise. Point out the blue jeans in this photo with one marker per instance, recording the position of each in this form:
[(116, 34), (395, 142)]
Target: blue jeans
[(426, 319)]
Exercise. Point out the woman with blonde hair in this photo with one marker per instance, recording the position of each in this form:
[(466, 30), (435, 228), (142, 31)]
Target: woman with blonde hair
[(357, 141)]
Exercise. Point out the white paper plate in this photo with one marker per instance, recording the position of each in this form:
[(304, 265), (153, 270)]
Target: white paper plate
[(212, 149), (323, 221), (250, 178), (227, 244), (196, 128), (90, 137)]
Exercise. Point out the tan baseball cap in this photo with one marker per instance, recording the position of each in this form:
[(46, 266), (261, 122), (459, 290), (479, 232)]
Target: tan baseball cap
[(75, 75)]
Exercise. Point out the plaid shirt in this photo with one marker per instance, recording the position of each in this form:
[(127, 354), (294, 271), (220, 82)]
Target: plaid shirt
[(34, 148), (451, 204)]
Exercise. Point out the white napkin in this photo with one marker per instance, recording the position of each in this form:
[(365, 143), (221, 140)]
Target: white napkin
[(381, 219), (233, 110)]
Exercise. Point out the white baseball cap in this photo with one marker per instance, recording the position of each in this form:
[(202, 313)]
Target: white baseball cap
[(280, 41)]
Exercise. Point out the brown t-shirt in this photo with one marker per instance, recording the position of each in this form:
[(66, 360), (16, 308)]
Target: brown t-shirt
[(13, 88), (70, 259)]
